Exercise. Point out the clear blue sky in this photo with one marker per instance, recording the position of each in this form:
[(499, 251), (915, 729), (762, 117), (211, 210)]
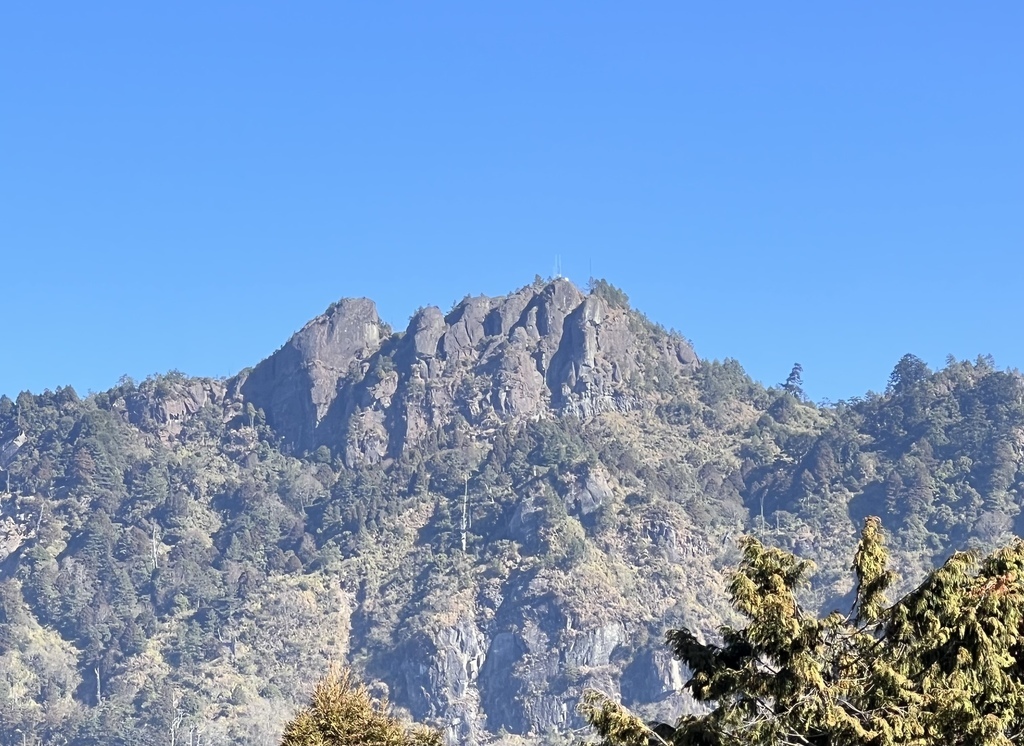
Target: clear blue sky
[(183, 185)]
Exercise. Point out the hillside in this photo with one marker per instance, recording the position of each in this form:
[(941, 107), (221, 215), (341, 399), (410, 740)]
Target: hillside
[(484, 514)]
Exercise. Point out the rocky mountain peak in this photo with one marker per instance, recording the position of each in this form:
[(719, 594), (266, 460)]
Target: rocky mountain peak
[(548, 349), (297, 385)]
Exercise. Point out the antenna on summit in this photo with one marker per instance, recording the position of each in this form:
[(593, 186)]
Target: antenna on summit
[(558, 267)]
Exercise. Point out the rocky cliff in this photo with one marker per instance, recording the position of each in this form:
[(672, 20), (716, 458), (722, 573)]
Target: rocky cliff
[(544, 349)]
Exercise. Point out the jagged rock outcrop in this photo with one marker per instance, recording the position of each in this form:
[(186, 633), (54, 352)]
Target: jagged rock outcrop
[(594, 493), (538, 662), (509, 673), (164, 406), (9, 448), (520, 660), (296, 386), (547, 349), (441, 684), (12, 536), (654, 675)]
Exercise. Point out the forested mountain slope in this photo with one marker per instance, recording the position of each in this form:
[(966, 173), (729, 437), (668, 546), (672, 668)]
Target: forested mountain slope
[(485, 514)]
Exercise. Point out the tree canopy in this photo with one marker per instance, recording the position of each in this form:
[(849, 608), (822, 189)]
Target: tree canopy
[(943, 664), (342, 713)]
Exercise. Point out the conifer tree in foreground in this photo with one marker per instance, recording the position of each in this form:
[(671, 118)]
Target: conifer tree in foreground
[(943, 665), (342, 713)]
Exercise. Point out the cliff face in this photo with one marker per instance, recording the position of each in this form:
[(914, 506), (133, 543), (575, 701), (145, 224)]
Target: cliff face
[(297, 385), (543, 349), (515, 652)]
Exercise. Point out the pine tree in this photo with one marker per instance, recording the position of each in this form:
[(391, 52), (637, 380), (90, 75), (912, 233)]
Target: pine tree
[(342, 713), (943, 665), (795, 382)]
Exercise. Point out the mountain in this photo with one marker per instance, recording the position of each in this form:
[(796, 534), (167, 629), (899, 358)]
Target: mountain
[(345, 382), (483, 514)]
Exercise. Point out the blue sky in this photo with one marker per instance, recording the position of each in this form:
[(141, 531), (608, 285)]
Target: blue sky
[(183, 185)]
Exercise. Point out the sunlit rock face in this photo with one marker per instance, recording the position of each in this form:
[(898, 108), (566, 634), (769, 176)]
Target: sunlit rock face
[(545, 350), (298, 384)]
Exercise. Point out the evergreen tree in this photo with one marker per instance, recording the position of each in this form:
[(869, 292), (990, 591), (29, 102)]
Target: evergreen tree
[(909, 371), (342, 713), (940, 666), (794, 381)]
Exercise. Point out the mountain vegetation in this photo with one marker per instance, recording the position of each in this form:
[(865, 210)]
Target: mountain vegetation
[(486, 515)]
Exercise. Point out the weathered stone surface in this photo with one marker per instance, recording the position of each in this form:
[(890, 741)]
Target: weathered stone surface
[(525, 522), (544, 350), (9, 449), (441, 680), (163, 407), (519, 388), (12, 536), (477, 677), (507, 312), (538, 662), (425, 330), (595, 492), (297, 385), (654, 676), (466, 327)]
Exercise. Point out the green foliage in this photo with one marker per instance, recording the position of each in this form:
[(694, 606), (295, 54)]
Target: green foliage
[(941, 665), (909, 371), (612, 295), (342, 713), (794, 381), (617, 725)]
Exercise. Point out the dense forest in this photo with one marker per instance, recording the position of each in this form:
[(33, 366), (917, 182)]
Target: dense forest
[(484, 515)]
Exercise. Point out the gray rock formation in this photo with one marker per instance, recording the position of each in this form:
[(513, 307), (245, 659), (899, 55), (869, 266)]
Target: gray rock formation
[(545, 350), (595, 492), (441, 684), (296, 386), (523, 671), (9, 449), (164, 406)]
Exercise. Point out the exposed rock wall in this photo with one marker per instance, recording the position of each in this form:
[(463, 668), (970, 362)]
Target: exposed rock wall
[(166, 409), (523, 669), (297, 385), (9, 449), (543, 350)]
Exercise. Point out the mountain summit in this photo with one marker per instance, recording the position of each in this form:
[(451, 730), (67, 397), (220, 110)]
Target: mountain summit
[(344, 382)]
